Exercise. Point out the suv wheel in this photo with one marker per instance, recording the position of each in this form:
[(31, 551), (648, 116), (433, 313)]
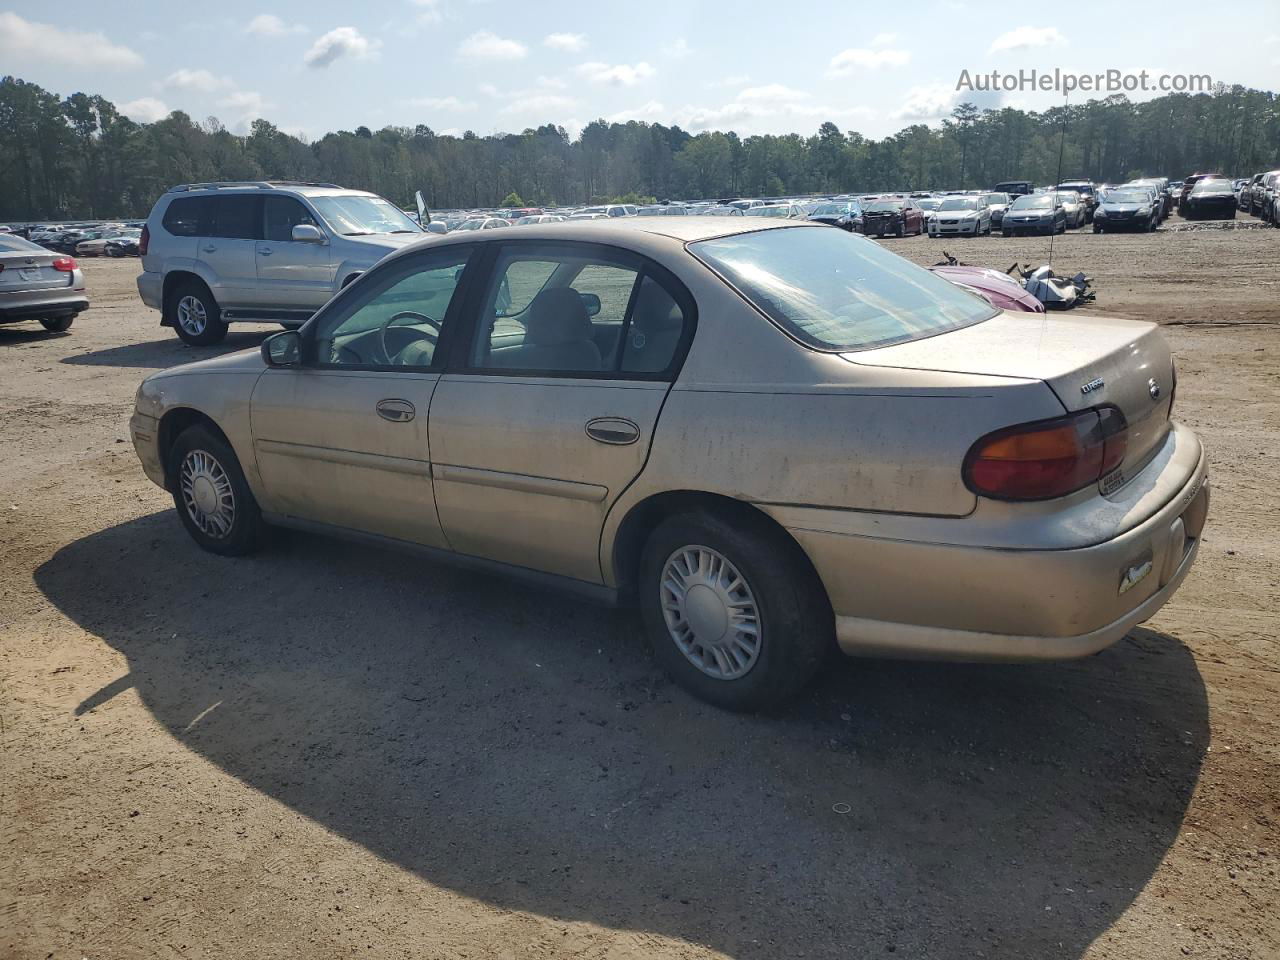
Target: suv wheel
[(196, 316), (211, 495), (57, 324), (735, 616)]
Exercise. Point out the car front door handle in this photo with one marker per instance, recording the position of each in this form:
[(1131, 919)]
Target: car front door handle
[(264, 251), (210, 248), (613, 430), (397, 411)]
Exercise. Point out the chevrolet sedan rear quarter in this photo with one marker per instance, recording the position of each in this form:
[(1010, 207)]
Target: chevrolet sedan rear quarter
[(772, 438)]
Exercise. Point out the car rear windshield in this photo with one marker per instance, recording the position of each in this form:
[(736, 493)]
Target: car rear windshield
[(838, 291), (1213, 186), (1039, 201), (9, 244)]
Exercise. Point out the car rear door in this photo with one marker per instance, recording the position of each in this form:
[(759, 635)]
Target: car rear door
[(227, 249), (551, 401)]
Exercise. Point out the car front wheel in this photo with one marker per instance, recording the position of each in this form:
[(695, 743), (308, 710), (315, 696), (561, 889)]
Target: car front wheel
[(197, 317), (211, 495), (732, 610)]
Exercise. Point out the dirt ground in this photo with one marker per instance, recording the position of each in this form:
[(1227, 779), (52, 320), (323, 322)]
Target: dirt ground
[(331, 751)]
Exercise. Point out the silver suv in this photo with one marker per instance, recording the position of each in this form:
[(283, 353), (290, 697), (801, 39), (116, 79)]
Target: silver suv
[(264, 250)]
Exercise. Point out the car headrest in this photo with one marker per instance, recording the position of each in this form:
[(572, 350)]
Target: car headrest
[(557, 316)]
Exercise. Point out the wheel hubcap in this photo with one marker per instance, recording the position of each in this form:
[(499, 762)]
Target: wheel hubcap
[(207, 494), (191, 315), (710, 612)]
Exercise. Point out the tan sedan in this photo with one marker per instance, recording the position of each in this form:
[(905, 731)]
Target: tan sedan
[(772, 437)]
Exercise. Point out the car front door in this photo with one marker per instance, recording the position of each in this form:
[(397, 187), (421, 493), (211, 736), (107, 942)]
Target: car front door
[(548, 411), (292, 274), (227, 249), (342, 439)]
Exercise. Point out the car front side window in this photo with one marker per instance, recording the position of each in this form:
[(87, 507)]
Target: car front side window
[(395, 318)]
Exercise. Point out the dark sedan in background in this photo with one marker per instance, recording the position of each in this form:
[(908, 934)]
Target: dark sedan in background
[(846, 214), (1210, 199), (1137, 208), (892, 218), (1034, 213)]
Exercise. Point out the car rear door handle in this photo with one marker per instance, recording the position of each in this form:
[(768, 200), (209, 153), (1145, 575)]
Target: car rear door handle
[(614, 430), (209, 248), (264, 251), (397, 411)]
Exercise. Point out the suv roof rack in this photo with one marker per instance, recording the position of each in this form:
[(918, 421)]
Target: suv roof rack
[(241, 184)]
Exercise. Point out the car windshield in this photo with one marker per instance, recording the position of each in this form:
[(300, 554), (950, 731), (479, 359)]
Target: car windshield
[(883, 206), (838, 291), (767, 212), (1213, 186), (1041, 201), (1128, 196), (929, 203), (959, 203), (357, 215), (831, 210)]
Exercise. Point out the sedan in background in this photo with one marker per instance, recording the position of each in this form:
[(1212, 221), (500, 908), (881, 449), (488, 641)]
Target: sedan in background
[(781, 211), (893, 217), (39, 284), (1034, 213), (1074, 208), (960, 216), (770, 437), (1210, 199), (1127, 208), (482, 223), (845, 214)]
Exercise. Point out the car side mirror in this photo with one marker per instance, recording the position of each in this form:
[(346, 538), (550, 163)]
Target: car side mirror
[(592, 302), (283, 349), (308, 233)]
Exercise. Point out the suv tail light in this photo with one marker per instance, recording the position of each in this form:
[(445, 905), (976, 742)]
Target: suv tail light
[(144, 240), (1048, 458), (64, 264)]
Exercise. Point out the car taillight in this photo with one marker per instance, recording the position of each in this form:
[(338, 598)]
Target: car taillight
[(143, 241), (65, 264), (1048, 458)]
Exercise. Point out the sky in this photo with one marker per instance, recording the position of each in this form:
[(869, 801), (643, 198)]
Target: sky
[(311, 66)]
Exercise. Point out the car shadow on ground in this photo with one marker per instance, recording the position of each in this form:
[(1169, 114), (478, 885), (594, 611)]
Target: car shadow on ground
[(522, 749), (169, 352), (18, 334)]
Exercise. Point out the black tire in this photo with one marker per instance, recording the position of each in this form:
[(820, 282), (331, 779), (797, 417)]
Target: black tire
[(57, 324), (1007, 233), (900, 230), (796, 628), (1096, 228), (205, 334), (244, 532)]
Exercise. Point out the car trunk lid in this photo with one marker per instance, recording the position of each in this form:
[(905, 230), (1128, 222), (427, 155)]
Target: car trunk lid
[(1086, 361), (24, 271)]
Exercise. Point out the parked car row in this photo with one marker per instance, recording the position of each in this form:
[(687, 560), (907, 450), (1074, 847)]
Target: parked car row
[(1259, 195)]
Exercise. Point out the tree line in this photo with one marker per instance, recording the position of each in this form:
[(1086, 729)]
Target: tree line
[(79, 157)]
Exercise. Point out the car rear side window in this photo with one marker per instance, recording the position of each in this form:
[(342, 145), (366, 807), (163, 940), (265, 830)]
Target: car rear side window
[(236, 217), (837, 291), (183, 216)]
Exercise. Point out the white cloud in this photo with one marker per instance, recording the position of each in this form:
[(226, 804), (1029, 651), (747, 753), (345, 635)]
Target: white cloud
[(620, 75), (773, 93), (645, 111), (443, 104), (269, 25), (570, 42), (928, 102), (484, 45), (677, 49), (537, 103), (552, 83), (846, 61), (736, 80), (1026, 38), (145, 110), (246, 102), (201, 80), (31, 42), (337, 43)]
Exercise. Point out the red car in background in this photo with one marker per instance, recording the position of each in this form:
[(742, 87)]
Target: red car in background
[(892, 217)]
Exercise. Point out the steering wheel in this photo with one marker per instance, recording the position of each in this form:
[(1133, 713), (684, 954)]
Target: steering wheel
[(413, 315)]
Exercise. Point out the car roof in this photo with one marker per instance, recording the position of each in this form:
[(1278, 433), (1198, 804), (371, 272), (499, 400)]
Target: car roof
[(266, 189), (619, 229)]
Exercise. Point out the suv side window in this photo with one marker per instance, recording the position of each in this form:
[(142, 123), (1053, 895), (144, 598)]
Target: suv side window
[(183, 216), (236, 217), (281, 215)]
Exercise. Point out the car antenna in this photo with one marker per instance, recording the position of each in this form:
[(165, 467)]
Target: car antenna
[(1062, 143)]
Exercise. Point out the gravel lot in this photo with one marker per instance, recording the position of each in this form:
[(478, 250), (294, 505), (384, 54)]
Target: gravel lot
[(327, 750)]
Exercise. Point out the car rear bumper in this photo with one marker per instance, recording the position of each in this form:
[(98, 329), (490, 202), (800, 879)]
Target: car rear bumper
[(42, 303), (907, 598), (151, 289)]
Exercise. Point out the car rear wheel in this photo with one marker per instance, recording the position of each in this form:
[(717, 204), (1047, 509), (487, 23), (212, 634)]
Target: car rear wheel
[(196, 316), (211, 495), (733, 612), (57, 324)]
